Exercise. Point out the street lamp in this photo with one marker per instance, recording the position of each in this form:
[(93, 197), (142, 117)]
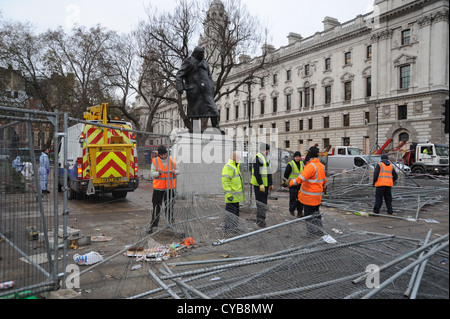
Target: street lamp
[(377, 106)]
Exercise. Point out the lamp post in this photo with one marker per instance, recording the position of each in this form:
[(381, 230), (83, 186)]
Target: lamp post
[(377, 106)]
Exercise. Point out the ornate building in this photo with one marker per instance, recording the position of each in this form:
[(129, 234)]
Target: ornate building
[(381, 75)]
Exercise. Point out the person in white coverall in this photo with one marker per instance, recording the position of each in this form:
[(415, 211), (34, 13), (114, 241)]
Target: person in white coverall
[(44, 169)]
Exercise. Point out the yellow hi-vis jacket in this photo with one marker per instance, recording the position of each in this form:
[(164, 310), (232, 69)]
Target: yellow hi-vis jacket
[(232, 183), (295, 172), (263, 170)]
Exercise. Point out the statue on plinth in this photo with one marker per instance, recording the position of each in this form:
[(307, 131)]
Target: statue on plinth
[(195, 78)]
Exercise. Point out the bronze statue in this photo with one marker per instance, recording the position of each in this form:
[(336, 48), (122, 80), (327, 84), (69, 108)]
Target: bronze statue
[(195, 77)]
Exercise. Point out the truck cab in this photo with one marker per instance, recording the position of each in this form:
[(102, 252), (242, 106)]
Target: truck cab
[(430, 158)]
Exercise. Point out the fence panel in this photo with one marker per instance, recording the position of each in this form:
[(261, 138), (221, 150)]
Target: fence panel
[(29, 224)]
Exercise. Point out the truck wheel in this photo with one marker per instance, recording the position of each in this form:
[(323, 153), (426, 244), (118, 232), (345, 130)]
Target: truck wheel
[(418, 170), (119, 194)]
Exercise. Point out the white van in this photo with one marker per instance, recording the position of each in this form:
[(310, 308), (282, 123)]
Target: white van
[(337, 163)]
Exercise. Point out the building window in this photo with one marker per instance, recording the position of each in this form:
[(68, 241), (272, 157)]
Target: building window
[(227, 110), (288, 75), (307, 97), (348, 91), (310, 124), (327, 64), (326, 143), (346, 120), (287, 144), (346, 141), (406, 37), (366, 118), (403, 137), (306, 69), (300, 125), (300, 95), (288, 126), (405, 76), (262, 104), (275, 79), (328, 94), (368, 86), (288, 101), (263, 82), (369, 52), (274, 125), (402, 112), (275, 105), (348, 58), (237, 111), (326, 122)]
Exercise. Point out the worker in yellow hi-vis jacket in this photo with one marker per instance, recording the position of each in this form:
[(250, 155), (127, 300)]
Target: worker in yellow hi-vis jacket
[(233, 187)]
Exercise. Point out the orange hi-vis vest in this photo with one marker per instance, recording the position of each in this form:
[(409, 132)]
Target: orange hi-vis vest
[(160, 182), (313, 181), (385, 177)]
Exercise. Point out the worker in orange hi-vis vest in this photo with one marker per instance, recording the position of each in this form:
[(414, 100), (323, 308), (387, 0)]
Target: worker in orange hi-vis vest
[(163, 172), (313, 184), (384, 177)]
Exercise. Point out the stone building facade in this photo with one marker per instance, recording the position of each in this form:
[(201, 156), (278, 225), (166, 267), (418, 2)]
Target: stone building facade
[(381, 75)]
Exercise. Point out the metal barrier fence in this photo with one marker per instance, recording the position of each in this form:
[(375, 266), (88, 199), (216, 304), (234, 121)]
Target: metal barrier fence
[(34, 210), (29, 221)]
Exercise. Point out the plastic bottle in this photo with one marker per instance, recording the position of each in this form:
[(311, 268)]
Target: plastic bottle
[(87, 259)]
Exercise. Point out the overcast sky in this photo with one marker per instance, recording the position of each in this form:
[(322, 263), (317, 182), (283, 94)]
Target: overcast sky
[(280, 16)]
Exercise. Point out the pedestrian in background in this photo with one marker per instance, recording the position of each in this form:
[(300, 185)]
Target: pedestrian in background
[(384, 177), (233, 186), (293, 170), (163, 172), (262, 183), (17, 164), (44, 170), (313, 184)]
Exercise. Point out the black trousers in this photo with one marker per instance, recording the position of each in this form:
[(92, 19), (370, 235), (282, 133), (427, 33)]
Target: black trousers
[(383, 192), (314, 225), (294, 203), (160, 197), (231, 218), (261, 203)]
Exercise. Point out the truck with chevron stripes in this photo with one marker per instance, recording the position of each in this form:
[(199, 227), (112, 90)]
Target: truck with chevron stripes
[(101, 156)]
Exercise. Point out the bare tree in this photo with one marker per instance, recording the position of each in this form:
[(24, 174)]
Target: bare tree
[(164, 42), (79, 54), (129, 74), (21, 49), (228, 38)]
